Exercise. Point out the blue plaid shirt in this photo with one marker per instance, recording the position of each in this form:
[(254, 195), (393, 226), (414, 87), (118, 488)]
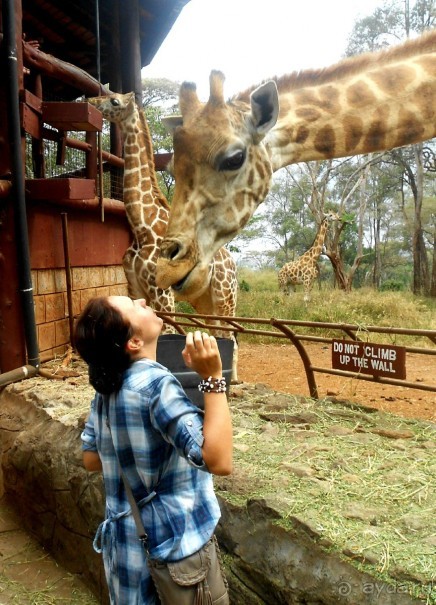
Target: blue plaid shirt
[(155, 432)]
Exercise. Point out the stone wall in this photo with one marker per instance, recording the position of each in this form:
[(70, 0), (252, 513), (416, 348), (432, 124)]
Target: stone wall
[(59, 502), (62, 505)]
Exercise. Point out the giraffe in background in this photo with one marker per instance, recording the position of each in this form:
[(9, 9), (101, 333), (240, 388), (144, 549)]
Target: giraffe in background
[(226, 152), (304, 270), (215, 292)]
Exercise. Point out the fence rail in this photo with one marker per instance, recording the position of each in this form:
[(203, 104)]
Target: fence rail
[(285, 329)]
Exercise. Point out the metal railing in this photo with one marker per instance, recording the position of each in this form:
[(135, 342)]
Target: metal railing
[(286, 329)]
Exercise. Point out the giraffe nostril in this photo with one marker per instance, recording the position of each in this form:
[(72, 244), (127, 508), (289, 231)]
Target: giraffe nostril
[(172, 251)]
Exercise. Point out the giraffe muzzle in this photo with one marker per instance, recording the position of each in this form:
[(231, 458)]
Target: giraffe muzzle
[(174, 265)]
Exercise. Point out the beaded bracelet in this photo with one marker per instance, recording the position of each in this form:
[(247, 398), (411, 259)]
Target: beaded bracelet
[(212, 385)]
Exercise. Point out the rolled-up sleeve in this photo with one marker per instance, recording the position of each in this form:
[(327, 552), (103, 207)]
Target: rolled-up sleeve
[(179, 421), (88, 434), (193, 432)]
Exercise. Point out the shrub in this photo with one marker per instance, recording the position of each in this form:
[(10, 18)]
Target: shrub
[(393, 285)]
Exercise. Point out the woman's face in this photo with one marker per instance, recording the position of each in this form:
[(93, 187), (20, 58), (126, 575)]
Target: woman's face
[(144, 321)]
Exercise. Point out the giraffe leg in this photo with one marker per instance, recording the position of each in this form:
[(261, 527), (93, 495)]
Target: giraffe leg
[(224, 334), (220, 299), (287, 288), (290, 288), (307, 289), (235, 379)]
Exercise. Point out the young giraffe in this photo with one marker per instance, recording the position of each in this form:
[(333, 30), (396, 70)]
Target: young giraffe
[(215, 290), (304, 270), (226, 152)]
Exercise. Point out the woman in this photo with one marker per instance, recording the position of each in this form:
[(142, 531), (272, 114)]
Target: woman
[(142, 420)]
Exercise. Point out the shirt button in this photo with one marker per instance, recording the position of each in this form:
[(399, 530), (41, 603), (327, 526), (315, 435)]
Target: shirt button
[(189, 423)]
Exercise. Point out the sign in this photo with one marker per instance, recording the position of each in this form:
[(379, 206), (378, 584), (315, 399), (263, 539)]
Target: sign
[(369, 358)]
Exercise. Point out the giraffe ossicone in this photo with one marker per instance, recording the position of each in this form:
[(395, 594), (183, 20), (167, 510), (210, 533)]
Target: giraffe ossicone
[(226, 152), (214, 291)]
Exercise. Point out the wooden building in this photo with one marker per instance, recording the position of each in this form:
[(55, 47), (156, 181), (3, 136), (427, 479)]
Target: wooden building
[(63, 229)]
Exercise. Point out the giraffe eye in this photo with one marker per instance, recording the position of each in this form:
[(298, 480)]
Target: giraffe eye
[(233, 162), (115, 102)]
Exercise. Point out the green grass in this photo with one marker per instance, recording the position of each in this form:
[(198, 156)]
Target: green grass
[(260, 297)]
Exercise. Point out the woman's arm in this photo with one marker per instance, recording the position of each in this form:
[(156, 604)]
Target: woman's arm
[(91, 461), (217, 448), (201, 353)]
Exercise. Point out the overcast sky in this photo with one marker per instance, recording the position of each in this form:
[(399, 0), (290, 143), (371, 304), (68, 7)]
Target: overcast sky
[(251, 40)]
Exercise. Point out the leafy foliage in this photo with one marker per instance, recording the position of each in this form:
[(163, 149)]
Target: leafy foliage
[(159, 99)]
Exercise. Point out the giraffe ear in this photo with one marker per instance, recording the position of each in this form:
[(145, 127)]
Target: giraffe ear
[(171, 122), (264, 107)]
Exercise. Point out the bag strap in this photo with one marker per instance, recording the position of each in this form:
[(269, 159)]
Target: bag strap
[(142, 534)]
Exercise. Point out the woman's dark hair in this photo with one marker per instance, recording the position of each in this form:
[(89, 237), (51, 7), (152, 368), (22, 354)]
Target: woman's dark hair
[(100, 337)]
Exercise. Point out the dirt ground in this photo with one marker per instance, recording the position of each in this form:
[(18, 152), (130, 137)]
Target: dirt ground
[(280, 367), (28, 574)]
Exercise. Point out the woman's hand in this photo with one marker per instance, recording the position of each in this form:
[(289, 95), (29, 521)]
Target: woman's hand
[(202, 355)]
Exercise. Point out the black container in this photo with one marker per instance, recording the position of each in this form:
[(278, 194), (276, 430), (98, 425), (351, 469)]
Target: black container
[(169, 354)]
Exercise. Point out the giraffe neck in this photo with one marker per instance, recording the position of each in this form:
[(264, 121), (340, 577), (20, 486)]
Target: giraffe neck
[(363, 104), (146, 207), (149, 152), (316, 248)]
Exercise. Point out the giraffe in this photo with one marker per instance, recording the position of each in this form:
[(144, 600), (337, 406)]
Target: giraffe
[(146, 207), (215, 290), (225, 153), (304, 270)]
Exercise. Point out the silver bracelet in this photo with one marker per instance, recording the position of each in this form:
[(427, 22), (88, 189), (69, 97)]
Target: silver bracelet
[(212, 385)]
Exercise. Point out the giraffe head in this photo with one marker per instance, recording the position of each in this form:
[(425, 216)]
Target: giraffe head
[(318, 244), (222, 172), (115, 107), (330, 216)]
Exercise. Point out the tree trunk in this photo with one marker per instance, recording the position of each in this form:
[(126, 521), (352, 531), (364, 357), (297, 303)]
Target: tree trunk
[(433, 273), (376, 274), (421, 279), (342, 279)]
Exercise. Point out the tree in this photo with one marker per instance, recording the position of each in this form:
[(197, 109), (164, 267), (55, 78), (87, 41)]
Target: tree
[(159, 99), (159, 92), (417, 176), (396, 19), (378, 30), (433, 273)]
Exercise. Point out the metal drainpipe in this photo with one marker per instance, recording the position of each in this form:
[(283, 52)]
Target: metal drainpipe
[(18, 188), (18, 374)]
